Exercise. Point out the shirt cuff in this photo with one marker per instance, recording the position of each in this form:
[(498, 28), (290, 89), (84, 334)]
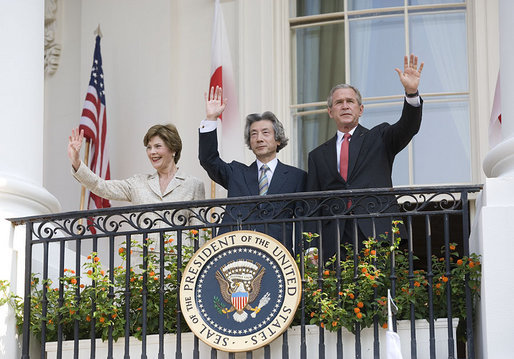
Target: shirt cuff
[(208, 126), (413, 101)]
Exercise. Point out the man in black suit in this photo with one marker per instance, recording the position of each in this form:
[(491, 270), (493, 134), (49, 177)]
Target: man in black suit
[(264, 135), (358, 157)]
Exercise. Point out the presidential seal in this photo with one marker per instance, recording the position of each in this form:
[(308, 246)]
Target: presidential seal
[(240, 291)]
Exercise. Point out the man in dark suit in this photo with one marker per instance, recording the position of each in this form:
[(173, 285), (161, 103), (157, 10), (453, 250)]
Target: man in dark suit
[(358, 157), (264, 135)]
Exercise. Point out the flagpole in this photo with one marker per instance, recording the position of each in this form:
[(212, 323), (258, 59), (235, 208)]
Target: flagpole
[(86, 161), (97, 32)]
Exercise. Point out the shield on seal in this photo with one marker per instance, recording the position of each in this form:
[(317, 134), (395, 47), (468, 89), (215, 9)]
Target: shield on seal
[(239, 300)]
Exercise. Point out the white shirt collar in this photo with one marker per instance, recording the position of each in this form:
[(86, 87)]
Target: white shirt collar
[(271, 164), (341, 134)]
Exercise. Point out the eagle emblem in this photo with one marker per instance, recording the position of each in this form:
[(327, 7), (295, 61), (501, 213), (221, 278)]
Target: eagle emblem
[(240, 284)]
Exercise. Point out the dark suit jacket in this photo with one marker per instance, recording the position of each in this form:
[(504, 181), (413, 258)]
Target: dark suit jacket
[(370, 165), (242, 180)]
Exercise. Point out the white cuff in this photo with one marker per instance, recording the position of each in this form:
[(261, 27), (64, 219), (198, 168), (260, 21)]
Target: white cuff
[(208, 126), (413, 101)]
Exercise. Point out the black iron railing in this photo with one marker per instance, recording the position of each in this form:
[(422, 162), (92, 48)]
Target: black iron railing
[(130, 260)]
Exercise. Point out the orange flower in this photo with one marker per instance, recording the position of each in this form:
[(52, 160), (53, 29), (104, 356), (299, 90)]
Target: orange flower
[(384, 325), (102, 272), (65, 270), (373, 252), (132, 279), (194, 232), (366, 251), (341, 293), (471, 264), (438, 285), (72, 312), (88, 257), (322, 325), (459, 262), (360, 304), (152, 248), (121, 250), (356, 310), (169, 276), (73, 281), (452, 247), (334, 323), (313, 314), (364, 270), (417, 284), (102, 319), (152, 273), (326, 272), (444, 279), (351, 296), (72, 271), (114, 316), (90, 272), (82, 286), (50, 321), (96, 259), (155, 278), (359, 315), (88, 318)]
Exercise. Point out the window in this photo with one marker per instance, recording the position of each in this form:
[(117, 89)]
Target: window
[(361, 45)]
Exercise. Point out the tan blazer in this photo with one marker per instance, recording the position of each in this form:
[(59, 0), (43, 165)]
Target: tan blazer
[(141, 188)]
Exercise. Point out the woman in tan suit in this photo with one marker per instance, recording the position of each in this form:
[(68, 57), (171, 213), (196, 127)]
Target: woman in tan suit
[(167, 184)]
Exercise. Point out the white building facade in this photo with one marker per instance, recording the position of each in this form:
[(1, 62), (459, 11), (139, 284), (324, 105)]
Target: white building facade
[(156, 61)]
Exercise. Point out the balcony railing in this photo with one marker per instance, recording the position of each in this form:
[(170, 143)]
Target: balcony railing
[(65, 252)]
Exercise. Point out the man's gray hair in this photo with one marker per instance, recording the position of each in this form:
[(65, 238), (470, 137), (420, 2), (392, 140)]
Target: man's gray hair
[(280, 134), (343, 86)]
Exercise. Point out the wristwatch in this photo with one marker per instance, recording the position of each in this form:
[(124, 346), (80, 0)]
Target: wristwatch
[(415, 94)]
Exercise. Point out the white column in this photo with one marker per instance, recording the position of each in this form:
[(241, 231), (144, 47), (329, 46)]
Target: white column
[(499, 162), (493, 228), (21, 143)]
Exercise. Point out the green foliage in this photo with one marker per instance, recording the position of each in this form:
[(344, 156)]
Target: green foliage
[(101, 298), (360, 294), (357, 297)]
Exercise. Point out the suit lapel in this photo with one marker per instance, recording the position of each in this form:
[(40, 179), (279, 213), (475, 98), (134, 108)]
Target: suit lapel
[(250, 176), (278, 179), (330, 155), (153, 182), (355, 147)]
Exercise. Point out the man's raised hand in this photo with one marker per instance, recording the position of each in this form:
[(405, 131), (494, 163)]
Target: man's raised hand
[(214, 104), (411, 73)]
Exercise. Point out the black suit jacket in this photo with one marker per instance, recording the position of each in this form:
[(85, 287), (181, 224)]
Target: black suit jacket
[(370, 165), (242, 180)]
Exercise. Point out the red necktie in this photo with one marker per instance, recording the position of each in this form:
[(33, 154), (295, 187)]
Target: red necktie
[(343, 159)]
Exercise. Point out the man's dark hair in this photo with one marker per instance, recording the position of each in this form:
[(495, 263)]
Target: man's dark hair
[(280, 134)]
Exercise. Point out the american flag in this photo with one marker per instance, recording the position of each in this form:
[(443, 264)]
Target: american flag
[(94, 123)]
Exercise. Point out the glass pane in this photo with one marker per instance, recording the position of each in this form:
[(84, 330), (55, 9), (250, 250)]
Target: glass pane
[(372, 4), (442, 150), (432, 2), (316, 7), (445, 57), (319, 61), (389, 113), (313, 130), (377, 47)]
